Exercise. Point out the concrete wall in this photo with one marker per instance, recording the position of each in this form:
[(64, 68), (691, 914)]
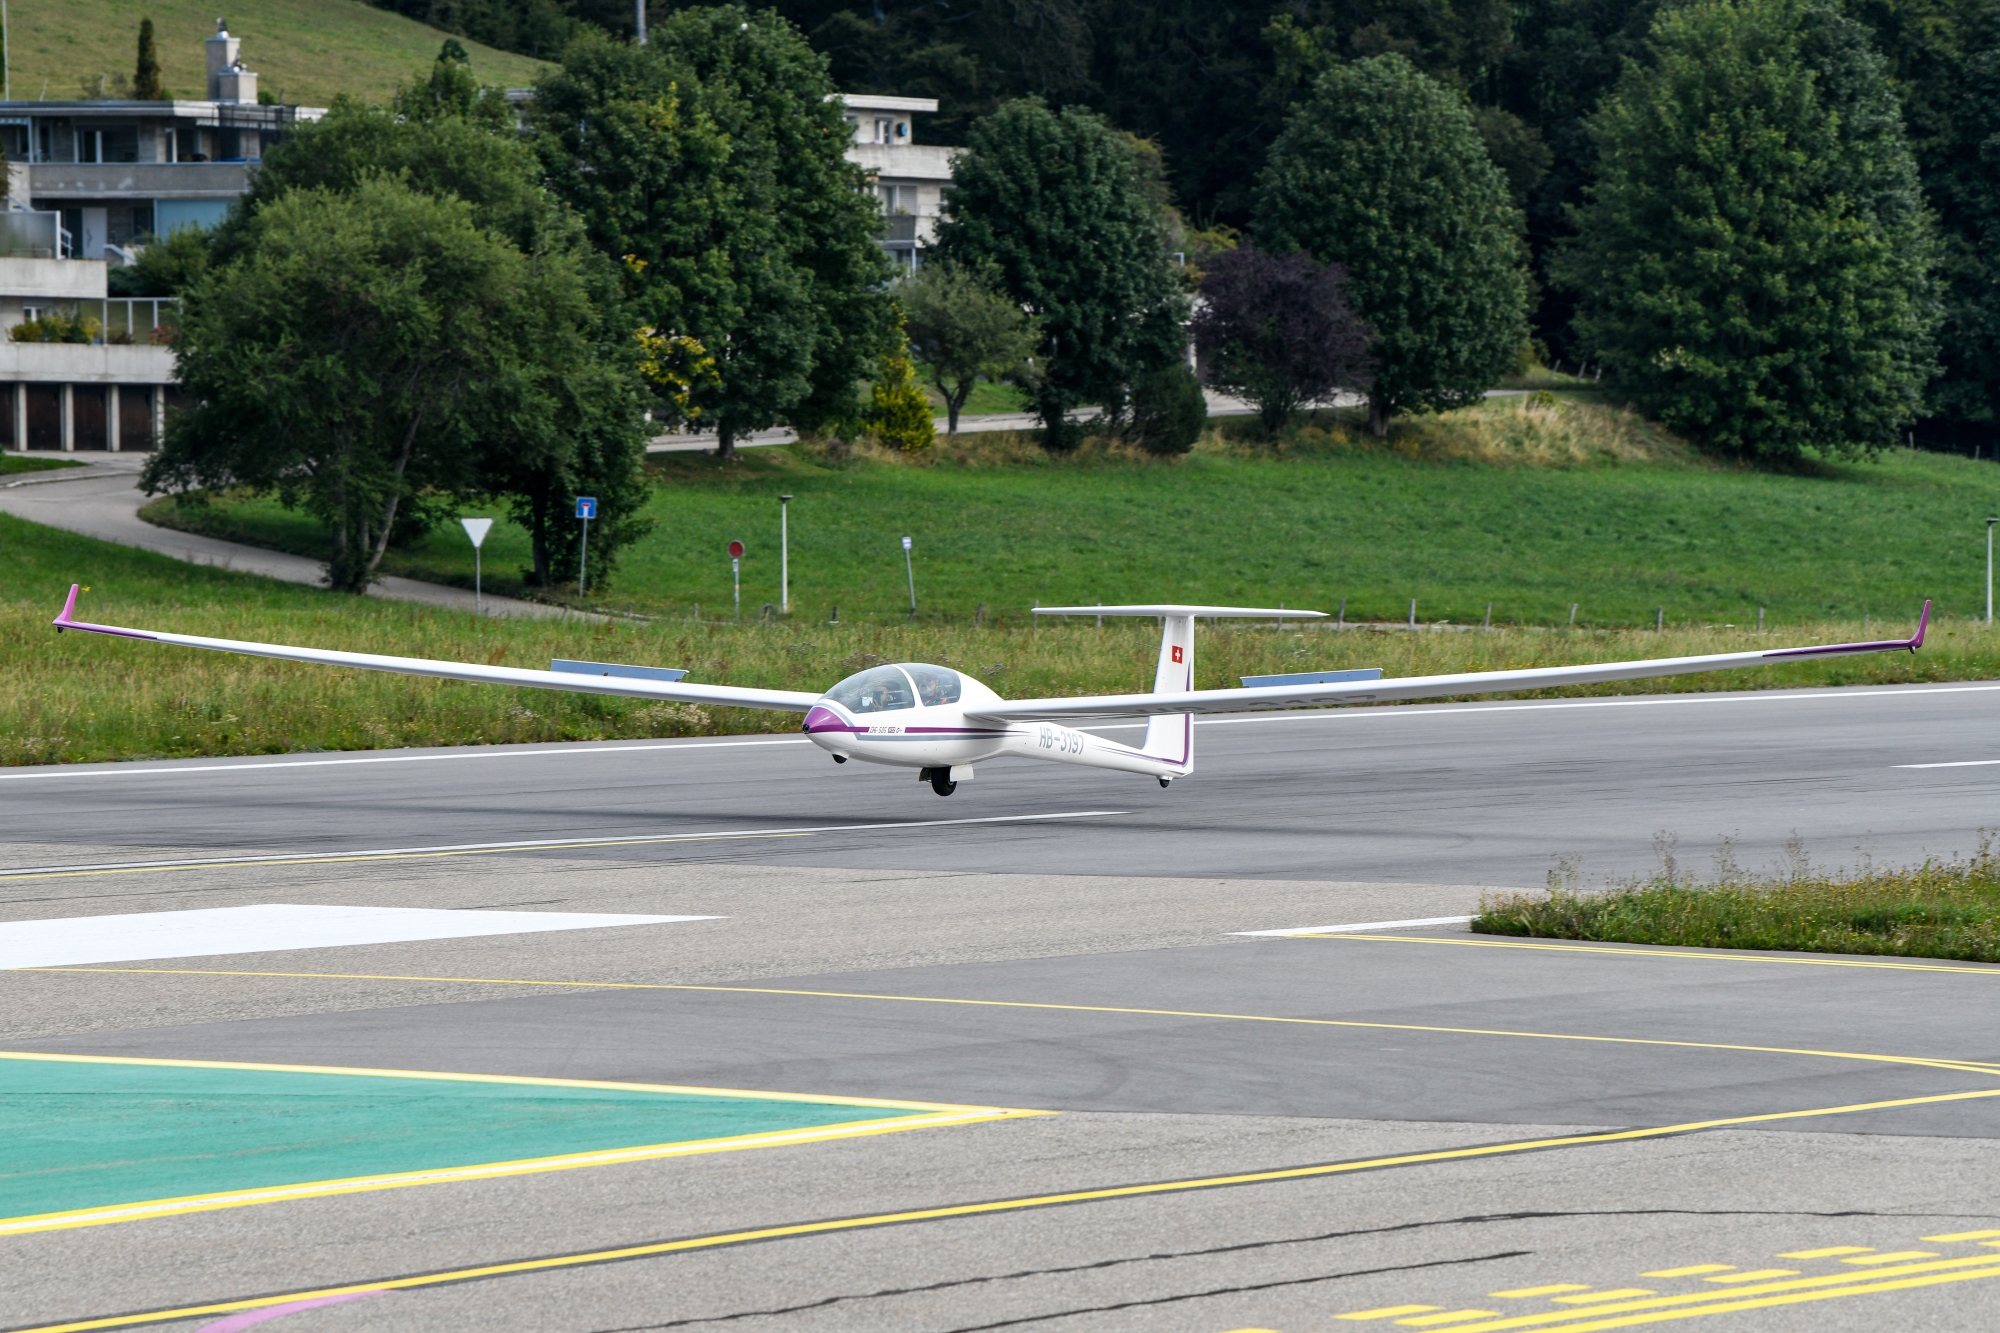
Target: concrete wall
[(43, 280), (57, 181), (85, 363)]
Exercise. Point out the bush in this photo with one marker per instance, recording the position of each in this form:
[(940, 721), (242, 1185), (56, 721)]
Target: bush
[(56, 327), (1169, 411), (898, 410), (1277, 331)]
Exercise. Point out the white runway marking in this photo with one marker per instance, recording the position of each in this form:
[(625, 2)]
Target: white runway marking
[(1360, 925), (536, 844), (77, 940), (545, 752), (1959, 763)]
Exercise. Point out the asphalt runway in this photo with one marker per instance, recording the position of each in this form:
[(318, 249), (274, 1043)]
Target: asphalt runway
[(1459, 793), (1162, 1123)]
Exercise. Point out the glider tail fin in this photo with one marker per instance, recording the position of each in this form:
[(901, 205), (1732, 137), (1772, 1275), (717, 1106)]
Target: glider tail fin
[(1171, 737)]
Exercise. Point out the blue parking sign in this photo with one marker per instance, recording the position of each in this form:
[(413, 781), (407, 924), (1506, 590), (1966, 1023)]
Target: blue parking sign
[(586, 506)]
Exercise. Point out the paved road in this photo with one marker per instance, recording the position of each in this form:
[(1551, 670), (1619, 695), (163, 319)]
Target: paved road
[(1421, 1128), (102, 500)]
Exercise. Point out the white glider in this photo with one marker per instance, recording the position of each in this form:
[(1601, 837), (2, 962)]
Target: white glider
[(941, 722)]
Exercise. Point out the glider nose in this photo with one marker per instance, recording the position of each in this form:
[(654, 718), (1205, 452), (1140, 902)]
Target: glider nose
[(823, 719)]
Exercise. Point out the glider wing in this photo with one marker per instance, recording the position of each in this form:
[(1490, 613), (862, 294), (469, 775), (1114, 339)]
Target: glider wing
[(725, 696), (1413, 687)]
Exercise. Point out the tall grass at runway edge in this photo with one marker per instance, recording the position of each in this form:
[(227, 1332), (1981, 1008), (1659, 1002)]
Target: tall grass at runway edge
[(85, 698), (1940, 909)]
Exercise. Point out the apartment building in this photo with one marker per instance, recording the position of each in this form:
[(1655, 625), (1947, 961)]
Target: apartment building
[(909, 177), (87, 182)]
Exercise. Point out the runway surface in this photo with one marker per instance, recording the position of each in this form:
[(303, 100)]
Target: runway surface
[(1460, 793), (1034, 1075)]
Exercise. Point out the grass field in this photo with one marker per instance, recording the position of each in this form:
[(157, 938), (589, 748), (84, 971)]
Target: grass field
[(1941, 909), (81, 697), (304, 51), (13, 463), (1528, 508)]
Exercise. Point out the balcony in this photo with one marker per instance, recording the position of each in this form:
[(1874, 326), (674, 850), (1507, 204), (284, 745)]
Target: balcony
[(58, 181)]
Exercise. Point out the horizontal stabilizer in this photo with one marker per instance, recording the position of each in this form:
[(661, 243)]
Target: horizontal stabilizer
[(1203, 612), (616, 669), (1311, 677)]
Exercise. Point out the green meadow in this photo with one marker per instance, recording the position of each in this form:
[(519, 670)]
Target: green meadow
[(1529, 509)]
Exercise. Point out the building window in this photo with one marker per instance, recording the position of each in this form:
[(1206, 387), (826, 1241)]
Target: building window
[(90, 145), (124, 226)]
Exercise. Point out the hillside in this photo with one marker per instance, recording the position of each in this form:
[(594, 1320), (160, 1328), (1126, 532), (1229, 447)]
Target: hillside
[(304, 51)]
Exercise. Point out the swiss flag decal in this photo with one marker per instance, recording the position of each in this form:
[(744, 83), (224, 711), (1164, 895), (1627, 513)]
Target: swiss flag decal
[(1177, 652)]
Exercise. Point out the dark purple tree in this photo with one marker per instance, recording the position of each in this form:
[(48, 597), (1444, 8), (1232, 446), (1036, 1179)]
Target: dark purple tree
[(1277, 331)]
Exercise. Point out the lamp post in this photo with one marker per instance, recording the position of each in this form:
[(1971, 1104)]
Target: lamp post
[(784, 555), (1989, 568)]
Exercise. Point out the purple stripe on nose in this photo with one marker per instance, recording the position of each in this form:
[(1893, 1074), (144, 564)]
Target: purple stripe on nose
[(824, 719)]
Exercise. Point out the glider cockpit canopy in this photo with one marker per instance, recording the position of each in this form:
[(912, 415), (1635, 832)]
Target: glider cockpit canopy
[(888, 688)]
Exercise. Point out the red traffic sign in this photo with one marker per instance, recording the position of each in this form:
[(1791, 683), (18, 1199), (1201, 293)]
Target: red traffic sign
[(736, 550)]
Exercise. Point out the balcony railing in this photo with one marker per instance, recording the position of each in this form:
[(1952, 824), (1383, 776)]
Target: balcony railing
[(136, 319)]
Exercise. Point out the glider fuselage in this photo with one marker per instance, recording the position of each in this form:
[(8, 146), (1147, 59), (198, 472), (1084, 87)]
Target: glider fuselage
[(899, 727)]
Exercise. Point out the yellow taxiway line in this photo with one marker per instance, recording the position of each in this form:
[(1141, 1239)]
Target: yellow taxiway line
[(1023, 1203), (1986, 1068)]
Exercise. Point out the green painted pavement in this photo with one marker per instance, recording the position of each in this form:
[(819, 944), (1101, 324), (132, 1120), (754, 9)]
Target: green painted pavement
[(82, 1135)]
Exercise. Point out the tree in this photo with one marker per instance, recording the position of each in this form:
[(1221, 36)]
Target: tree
[(1754, 261), (711, 163), (1382, 171), (964, 330), (1169, 409), (1277, 331), (167, 265), (1054, 206), (350, 355), (146, 75), (897, 410), (582, 430)]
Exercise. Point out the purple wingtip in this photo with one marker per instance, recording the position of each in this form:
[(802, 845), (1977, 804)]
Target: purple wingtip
[(69, 609), (1923, 623)]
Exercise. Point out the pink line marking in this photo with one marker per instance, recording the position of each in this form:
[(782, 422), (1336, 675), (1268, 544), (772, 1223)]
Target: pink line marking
[(249, 1317)]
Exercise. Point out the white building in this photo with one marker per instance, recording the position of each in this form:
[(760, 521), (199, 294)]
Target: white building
[(87, 182), (909, 177)]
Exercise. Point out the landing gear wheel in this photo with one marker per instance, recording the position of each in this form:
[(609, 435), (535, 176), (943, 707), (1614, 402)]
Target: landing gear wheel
[(943, 785), (1164, 782)]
